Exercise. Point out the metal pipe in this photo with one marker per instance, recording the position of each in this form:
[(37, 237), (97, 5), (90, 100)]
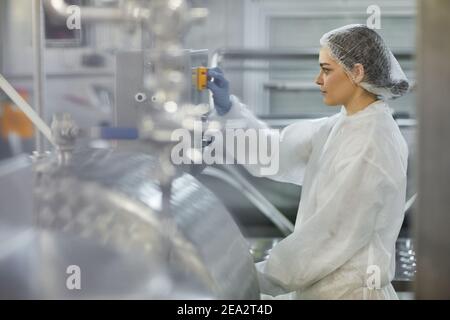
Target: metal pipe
[(39, 72), (60, 9), (410, 202), (256, 198), (2, 40), (276, 54), (261, 54), (295, 86)]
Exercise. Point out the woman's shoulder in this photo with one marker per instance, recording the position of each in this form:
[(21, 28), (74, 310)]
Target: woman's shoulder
[(374, 137), (386, 146)]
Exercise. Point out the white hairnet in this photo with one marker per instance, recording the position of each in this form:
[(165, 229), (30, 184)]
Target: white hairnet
[(357, 43)]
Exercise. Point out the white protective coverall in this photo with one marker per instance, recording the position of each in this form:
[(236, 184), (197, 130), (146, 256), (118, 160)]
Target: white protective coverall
[(353, 175)]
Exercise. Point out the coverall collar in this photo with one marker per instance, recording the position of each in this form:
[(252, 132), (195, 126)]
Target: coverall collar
[(377, 105)]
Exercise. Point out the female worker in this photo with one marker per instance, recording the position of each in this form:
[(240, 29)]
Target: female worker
[(352, 167)]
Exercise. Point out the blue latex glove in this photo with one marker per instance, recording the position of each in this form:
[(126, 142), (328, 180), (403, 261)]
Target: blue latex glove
[(219, 87)]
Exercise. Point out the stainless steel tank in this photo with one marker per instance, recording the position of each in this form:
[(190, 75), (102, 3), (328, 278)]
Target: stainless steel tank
[(104, 214)]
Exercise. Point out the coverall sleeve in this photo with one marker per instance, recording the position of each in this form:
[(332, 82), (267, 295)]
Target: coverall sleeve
[(294, 142), (344, 222)]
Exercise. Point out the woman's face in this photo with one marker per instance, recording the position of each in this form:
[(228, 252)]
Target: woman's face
[(336, 86)]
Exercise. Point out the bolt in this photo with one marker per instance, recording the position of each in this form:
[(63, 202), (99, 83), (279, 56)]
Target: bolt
[(140, 97)]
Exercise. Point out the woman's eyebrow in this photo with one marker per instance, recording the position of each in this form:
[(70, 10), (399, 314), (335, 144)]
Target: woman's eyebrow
[(324, 63)]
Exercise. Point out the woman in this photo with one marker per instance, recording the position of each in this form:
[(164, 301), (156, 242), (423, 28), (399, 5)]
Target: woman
[(352, 167)]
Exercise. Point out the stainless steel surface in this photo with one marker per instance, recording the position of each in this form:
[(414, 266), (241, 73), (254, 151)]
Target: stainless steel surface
[(16, 191), (34, 264), (433, 219), (113, 201), (132, 68)]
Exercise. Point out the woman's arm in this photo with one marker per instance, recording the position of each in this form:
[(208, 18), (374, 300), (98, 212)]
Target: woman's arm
[(289, 149)]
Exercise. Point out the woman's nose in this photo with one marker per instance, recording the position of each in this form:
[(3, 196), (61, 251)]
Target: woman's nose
[(319, 79)]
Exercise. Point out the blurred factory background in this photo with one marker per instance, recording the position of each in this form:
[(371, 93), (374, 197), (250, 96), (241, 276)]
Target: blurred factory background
[(109, 203)]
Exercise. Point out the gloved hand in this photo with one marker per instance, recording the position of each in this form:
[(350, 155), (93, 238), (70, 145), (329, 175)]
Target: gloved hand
[(220, 90)]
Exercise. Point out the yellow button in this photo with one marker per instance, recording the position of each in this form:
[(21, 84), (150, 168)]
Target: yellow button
[(202, 78)]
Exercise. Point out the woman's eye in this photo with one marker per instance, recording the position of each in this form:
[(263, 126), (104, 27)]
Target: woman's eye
[(326, 71)]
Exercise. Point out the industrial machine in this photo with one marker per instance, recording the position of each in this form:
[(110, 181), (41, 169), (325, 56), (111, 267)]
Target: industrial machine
[(120, 220)]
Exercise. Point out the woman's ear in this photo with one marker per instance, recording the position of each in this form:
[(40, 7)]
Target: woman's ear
[(358, 73)]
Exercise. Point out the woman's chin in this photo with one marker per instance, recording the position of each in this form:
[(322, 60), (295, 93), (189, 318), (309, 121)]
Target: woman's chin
[(329, 102)]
